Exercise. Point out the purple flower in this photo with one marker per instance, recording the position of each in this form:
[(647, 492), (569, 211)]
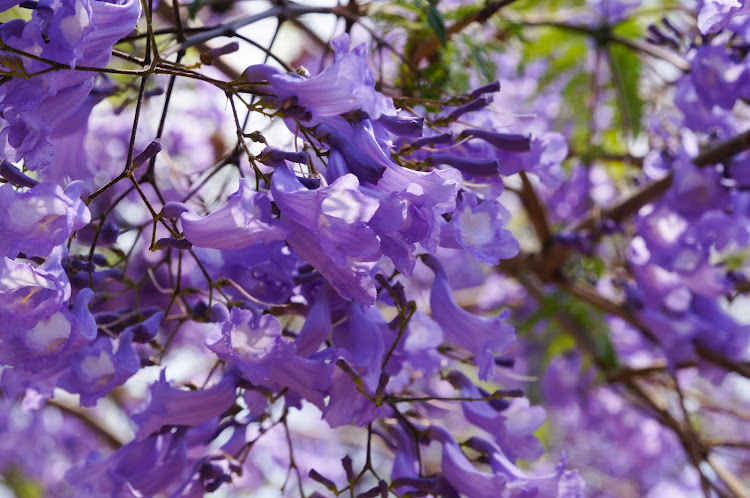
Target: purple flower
[(484, 337), (716, 14), (29, 293), (309, 378), (478, 227), (265, 271), (359, 153), (95, 370), (470, 166), (361, 341), (35, 221), (419, 349), (347, 405), (169, 406), (510, 142), (548, 151), (402, 126), (345, 86), (718, 79), (336, 214), (253, 344), (411, 208), (351, 280), (242, 221), (460, 472), (42, 346), (512, 424), (140, 468), (613, 11), (69, 161), (317, 326)]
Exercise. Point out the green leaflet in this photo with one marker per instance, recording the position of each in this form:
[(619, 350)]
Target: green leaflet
[(625, 66), (437, 23)]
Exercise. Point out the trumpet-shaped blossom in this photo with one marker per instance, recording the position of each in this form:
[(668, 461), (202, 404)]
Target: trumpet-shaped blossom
[(242, 221), (96, 369), (358, 154), (337, 214), (171, 407), (44, 345), (253, 344), (511, 424), (29, 293), (411, 208), (483, 337), (344, 86), (35, 221), (716, 14), (478, 227), (140, 468)]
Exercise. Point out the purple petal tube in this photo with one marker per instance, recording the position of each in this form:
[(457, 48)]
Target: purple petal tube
[(460, 472), (488, 88), (441, 138), (344, 86), (484, 337), (402, 126), (472, 166), (317, 327), (510, 142), (146, 154), (242, 221), (364, 167), (479, 103), (14, 175), (272, 155), (170, 406)]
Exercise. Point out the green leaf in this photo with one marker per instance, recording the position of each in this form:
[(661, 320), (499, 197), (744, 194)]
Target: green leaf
[(480, 56), (605, 351), (625, 67), (437, 23), (195, 7)]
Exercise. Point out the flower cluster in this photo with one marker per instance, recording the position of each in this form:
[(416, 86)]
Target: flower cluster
[(268, 280), (294, 285)]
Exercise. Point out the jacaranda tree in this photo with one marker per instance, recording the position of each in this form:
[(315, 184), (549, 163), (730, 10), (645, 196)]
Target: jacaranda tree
[(376, 248)]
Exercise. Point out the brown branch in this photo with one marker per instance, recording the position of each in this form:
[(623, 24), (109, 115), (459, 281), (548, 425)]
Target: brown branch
[(725, 150), (738, 489), (554, 256), (718, 359), (535, 210), (288, 10), (693, 445)]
